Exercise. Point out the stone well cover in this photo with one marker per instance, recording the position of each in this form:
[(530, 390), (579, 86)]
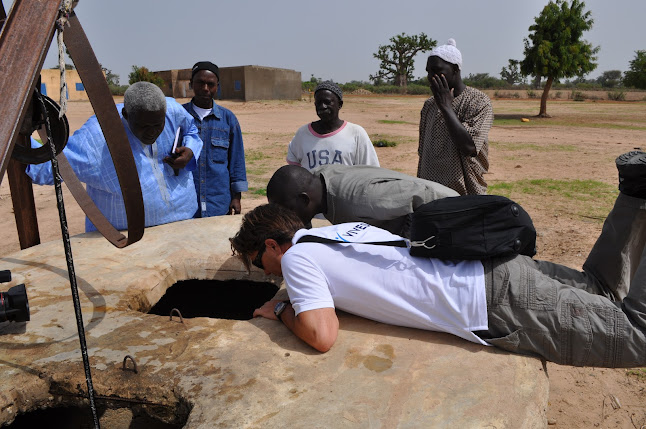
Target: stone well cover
[(239, 374)]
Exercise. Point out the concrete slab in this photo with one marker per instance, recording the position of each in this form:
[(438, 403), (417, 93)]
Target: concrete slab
[(239, 374)]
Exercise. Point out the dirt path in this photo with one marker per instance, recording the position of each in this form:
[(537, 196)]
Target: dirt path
[(579, 143)]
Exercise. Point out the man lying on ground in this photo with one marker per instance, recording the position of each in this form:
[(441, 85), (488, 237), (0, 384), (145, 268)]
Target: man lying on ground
[(151, 121), (595, 317), (361, 193)]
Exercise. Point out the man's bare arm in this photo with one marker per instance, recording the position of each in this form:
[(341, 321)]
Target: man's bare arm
[(318, 328)]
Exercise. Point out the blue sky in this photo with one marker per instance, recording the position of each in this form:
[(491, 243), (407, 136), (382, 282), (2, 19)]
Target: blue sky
[(333, 39)]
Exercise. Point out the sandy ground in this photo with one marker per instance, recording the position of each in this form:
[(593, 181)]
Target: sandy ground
[(580, 142)]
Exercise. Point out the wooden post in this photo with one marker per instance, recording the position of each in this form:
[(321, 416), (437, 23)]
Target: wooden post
[(22, 196)]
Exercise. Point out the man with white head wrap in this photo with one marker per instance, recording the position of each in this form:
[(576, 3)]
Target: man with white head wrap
[(151, 122), (454, 126)]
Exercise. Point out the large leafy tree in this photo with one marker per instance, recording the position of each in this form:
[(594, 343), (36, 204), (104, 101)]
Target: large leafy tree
[(555, 48), (397, 58), (610, 79), (142, 74), (636, 76)]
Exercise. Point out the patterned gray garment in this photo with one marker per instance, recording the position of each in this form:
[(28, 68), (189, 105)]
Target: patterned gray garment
[(440, 160)]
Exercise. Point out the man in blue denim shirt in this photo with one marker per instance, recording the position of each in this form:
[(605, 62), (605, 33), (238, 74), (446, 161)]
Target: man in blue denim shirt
[(221, 175)]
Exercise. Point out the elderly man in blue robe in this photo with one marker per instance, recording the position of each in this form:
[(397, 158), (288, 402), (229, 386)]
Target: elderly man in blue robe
[(151, 122)]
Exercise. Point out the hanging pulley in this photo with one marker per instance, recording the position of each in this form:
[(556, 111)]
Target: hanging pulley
[(34, 120)]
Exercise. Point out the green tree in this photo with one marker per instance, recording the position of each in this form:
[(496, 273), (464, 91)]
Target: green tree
[(397, 58), (635, 77), (555, 49), (110, 78), (610, 79), (483, 81), (511, 74), (142, 74)]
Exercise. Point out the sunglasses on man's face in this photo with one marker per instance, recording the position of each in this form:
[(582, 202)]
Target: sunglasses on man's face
[(257, 261)]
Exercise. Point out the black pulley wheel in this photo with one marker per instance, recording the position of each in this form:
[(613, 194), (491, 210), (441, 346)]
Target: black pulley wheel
[(60, 134)]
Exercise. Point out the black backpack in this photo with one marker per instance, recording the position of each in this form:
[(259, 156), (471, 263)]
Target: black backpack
[(472, 227), (465, 227)]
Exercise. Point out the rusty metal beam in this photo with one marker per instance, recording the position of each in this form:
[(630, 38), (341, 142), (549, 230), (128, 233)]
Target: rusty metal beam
[(22, 197), (115, 135), (25, 39)]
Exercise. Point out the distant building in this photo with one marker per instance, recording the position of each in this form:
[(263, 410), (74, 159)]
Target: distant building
[(50, 85), (245, 83)]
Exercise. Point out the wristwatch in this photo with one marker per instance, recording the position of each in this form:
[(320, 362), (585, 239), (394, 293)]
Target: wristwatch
[(279, 308)]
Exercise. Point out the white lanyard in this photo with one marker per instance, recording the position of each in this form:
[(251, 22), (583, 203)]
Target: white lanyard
[(151, 154)]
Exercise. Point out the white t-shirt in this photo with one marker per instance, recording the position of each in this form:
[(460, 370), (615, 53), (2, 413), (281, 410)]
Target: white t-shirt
[(349, 145), (202, 113), (385, 283)]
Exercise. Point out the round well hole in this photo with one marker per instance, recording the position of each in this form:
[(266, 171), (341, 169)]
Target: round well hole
[(229, 299)]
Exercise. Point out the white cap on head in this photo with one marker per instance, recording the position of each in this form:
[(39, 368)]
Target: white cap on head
[(448, 53)]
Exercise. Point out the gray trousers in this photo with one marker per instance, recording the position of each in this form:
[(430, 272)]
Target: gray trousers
[(594, 317)]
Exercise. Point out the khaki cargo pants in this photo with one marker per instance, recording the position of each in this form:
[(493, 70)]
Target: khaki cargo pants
[(594, 317)]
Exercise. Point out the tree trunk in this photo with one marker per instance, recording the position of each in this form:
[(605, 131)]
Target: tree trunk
[(546, 93), (400, 81)]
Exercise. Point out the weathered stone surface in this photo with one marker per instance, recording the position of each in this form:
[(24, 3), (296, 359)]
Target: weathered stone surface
[(240, 374)]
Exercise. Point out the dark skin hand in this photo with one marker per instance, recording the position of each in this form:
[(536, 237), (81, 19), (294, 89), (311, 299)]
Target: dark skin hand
[(185, 155), (444, 91), (235, 207)]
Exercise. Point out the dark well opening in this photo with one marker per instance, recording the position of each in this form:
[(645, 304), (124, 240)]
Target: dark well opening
[(80, 417), (230, 299)]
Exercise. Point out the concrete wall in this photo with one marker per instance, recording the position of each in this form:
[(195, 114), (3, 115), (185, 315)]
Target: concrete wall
[(265, 83), (176, 83), (244, 83), (233, 83), (51, 85)]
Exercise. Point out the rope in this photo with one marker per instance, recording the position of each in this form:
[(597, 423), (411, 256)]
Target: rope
[(61, 22)]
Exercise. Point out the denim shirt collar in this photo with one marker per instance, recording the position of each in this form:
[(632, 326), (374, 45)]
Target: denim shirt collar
[(216, 111)]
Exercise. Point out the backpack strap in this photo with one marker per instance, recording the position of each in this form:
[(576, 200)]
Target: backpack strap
[(315, 239)]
